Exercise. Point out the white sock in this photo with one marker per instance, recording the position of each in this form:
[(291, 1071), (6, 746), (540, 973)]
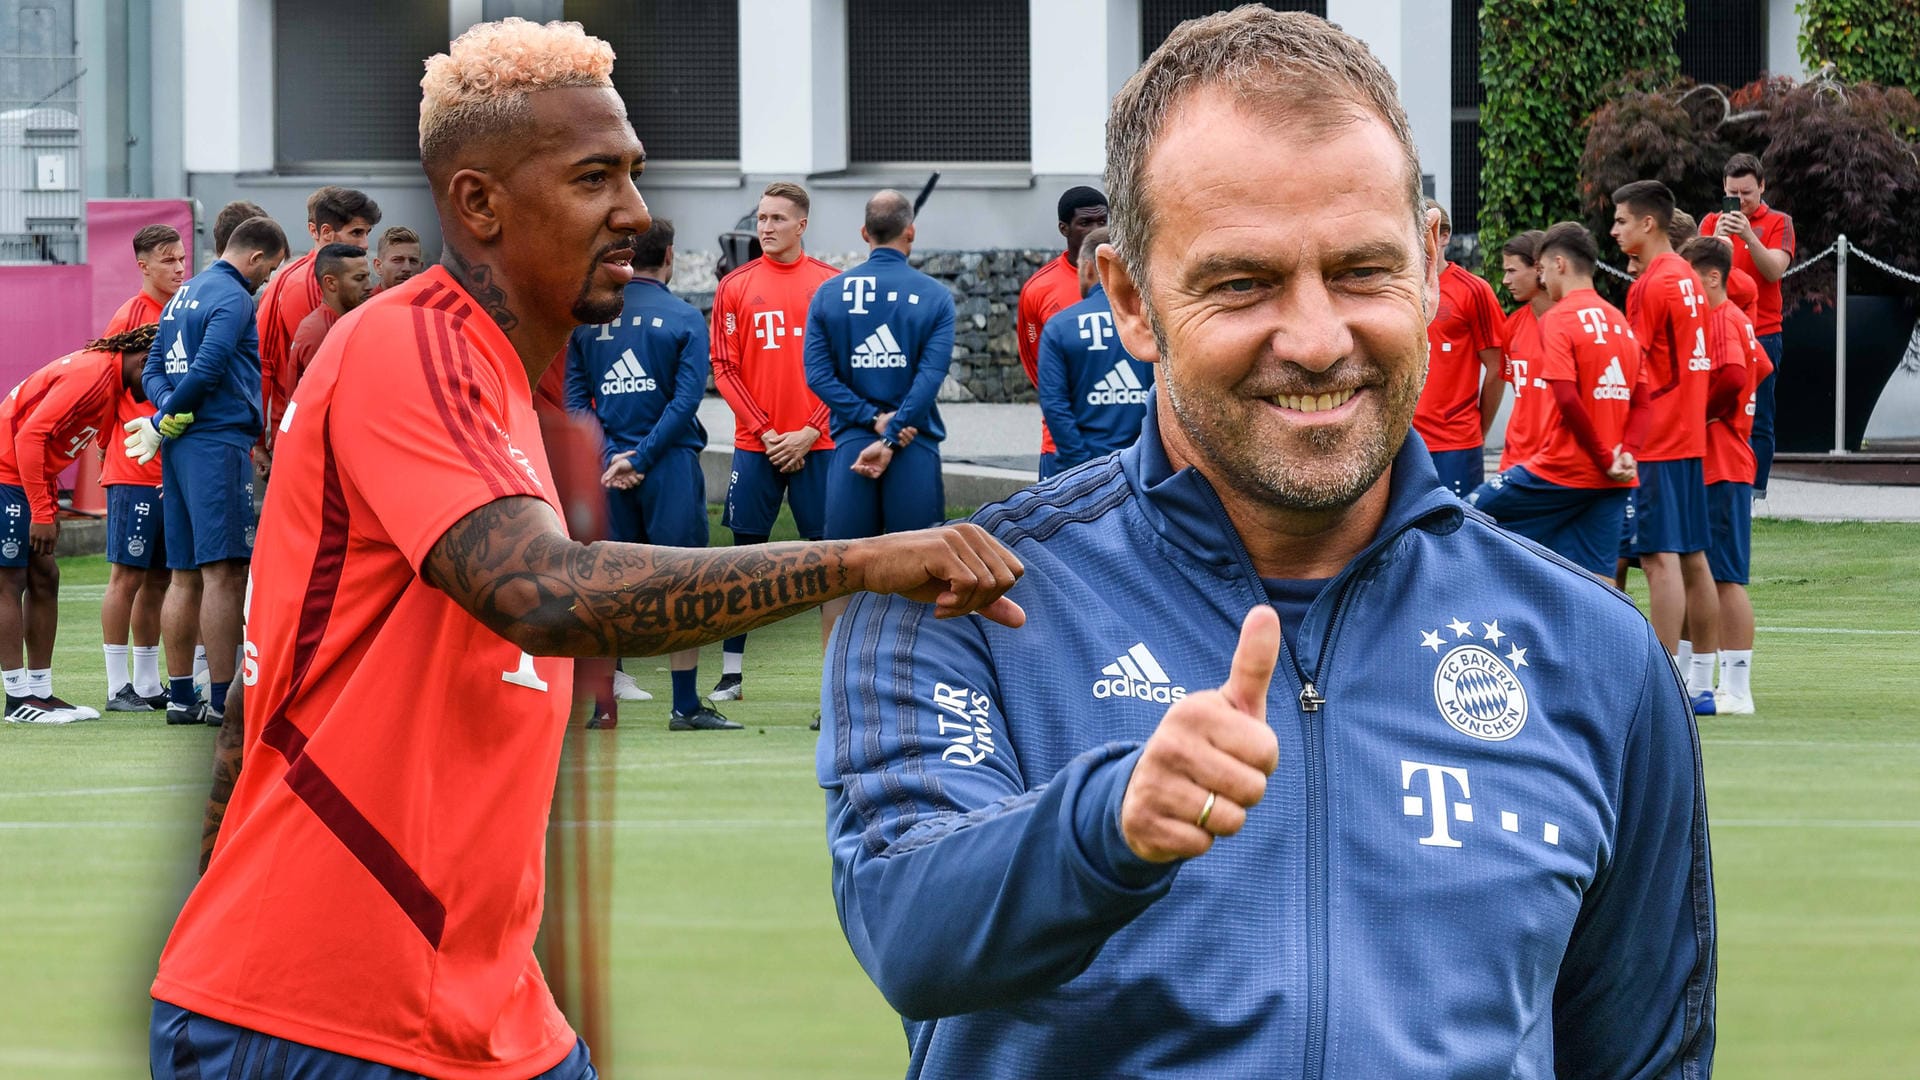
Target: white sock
[(731, 663), (116, 667), (199, 660), (40, 683), (1736, 672), (146, 671), (1700, 672), (1686, 654), (16, 681)]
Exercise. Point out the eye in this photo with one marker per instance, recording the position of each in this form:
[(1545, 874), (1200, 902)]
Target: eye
[(1240, 285)]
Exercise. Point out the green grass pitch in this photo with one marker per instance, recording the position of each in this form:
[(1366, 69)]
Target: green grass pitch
[(727, 960)]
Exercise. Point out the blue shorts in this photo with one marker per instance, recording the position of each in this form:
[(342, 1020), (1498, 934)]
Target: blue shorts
[(135, 532), (187, 1046), (1461, 470), (1730, 517), (669, 507), (1670, 508), (909, 495), (755, 487), (1581, 525), (208, 498), (16, 516), (1050, 465)]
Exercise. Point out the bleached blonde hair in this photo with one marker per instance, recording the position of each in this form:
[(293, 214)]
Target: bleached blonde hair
[(481, 83)]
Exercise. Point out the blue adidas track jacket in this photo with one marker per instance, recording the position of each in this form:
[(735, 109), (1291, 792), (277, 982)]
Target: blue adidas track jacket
[(206, 360), (1092, 391), (880, 339), (643, 374), (1484, 853)]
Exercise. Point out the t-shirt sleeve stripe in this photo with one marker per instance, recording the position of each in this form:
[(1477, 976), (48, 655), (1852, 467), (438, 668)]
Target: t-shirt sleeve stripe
[(452, 412)]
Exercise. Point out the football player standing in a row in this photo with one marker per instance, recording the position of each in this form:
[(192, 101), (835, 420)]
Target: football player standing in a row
[(1093, 392), (1473, 858), (1053, 288), (1464, 373)]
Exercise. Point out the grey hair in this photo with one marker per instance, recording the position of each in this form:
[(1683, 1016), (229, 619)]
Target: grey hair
[(888, 215), (1285, 61)]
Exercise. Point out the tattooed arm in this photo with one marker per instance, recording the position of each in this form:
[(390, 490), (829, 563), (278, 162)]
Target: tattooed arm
[(226, 771), (511, 566)]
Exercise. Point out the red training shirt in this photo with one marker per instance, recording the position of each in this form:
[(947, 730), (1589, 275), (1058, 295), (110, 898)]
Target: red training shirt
[(1533, 405), (1052, 288), (284, 304), (1731, 341), (300, 352), (118, 468), (1775, 231), (1468, 321), (759, 340), (1667, 307), (376, 886), (50, 417), (1743, 292), (1584, 341)]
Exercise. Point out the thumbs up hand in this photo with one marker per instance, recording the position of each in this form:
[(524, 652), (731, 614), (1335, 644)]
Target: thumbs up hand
[(1209, 759)]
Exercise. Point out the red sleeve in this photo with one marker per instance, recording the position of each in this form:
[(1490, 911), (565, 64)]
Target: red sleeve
[(728, 338), (1492, 320), (1566, 394), (420, 436), (1724, 392), (1639, 416), (1027, 332), (1787, 239), (64, 398)]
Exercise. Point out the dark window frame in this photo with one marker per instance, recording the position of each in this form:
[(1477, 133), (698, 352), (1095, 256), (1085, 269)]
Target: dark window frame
[(881, 125), (699, 127), (377, 32)]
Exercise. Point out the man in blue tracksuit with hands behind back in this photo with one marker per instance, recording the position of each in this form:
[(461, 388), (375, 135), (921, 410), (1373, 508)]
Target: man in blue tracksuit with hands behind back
[(203, 378), (1092, 391), (1300, 766)]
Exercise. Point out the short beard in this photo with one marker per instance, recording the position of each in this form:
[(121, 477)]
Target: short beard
[(589, 311)]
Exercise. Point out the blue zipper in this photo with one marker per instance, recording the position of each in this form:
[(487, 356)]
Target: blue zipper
[(1312, 723)]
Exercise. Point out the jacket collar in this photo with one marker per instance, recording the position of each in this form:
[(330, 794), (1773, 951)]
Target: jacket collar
[(880, 254), (1184, 510)]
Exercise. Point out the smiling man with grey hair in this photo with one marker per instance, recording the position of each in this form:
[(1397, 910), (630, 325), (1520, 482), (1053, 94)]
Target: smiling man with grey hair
[(1310, 779)]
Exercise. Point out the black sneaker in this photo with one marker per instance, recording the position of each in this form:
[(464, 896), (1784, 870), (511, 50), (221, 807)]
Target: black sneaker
[(211, 716), (196, 713), (729, 688), (602, 719), (125, 700), (158, 702), (703, 718), (815, 726)]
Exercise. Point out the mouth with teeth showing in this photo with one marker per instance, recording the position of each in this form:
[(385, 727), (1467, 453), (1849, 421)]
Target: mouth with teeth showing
[(1312, 403)]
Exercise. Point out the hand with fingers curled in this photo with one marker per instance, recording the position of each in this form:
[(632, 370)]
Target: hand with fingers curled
[(1207, 763)]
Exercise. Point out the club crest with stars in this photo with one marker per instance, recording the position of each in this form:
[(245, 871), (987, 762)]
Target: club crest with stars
[(1475, 688)]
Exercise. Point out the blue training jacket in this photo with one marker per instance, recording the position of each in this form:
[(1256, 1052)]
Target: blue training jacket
[(1483, 854), (206, 360), (643, 374), (880, 339), (1092, 391)]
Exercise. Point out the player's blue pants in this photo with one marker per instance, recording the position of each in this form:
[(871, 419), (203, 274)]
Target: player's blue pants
[(1730, 518), (1581, 525), (1461, 470), (135, 533), (1762, 438), (207, 497), (1670, 508), (669, 507), (754, 490), (909, 495)]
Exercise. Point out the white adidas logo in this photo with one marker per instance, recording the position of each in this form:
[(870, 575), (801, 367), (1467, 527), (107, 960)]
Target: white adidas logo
[(1120, 387), (1136, 674), (880, 350), (1613, 384), (176, 357), (627, 377)]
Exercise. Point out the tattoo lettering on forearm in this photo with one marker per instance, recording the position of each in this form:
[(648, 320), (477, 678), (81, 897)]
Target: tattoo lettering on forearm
[(509, 565), (477, 279), (227, 749)]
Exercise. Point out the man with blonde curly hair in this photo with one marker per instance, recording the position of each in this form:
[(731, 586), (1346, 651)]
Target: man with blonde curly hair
[(372, 899)]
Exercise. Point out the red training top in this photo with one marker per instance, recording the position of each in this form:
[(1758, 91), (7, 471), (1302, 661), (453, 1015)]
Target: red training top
[(118, 468), (50, 417), (1775, 231), (1584, 341), (284, 304), (1667, 307), (376, 886), (1532, 405), (1052, 288), (1743, 292), (1468, 321), (1732, 343), (300, 353), (759, 341)]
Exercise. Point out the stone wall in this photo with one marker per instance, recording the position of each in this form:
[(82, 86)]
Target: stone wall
[(986, 296)]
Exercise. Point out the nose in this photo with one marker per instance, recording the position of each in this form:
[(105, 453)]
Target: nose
[(630, 213), (1312, 333)]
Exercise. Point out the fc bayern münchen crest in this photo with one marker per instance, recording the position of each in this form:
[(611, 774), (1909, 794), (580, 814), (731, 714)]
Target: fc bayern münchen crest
[(1478, 695), (11, 549), (136, 547)]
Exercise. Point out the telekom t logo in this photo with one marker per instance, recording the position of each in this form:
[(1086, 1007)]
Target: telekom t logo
[(768, 326), (856, 292), (1688, 298), (1594, 320), (1096, 327), (1436, 805)]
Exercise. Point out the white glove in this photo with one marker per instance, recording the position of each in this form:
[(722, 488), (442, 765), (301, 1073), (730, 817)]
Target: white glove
[(143, 440)]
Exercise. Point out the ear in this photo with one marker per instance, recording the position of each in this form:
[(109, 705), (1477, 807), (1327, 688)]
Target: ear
[(908, 235), (1063, 232), (1129, 303), (865, 236), (473, 198), (1435, 249)]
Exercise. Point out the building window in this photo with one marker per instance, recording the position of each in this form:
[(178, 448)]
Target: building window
[(677, 66), (346, 77), (1467, 96), (1725, 41), (938, 81), (1159, 17)]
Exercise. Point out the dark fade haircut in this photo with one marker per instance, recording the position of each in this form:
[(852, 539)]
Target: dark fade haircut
[(138, 339), (153, 237), (1525, 246), (1284, 63), (1078, 198), (333, 258), (792, 192), (1570, 238), (1745, 165), (888, 215), (399, 234), (1095, 237), (650, 248), (261, 234), (340, 206), (1705, 253), (1647, 198), (229, 217)]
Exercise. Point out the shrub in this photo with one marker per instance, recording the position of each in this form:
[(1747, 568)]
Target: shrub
[(1874, 41)]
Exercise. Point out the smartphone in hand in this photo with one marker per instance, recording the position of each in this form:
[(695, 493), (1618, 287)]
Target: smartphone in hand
[(1730, 204)]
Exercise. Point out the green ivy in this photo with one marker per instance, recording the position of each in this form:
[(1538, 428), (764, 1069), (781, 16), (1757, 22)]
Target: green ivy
[(1874, 41), (1546, 65)]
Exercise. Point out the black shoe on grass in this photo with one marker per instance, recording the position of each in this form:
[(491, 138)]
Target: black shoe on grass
[(125, 700), (703, 718)]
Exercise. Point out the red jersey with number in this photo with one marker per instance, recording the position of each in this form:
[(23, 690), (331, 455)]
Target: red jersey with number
[(50, 417), (1468, 321), (1731, 341), (118, 468), (377, 882), (284, 304), (1052, 289), (1667, 307), (1775, 231), (1584, 340), (1533, 405), (759, 338)]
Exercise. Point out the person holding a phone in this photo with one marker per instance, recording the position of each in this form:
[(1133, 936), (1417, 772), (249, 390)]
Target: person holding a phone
[(1763, 242)]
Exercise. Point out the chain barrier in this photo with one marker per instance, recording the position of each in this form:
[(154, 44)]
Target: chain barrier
[(1792, 270), (1894, 270)]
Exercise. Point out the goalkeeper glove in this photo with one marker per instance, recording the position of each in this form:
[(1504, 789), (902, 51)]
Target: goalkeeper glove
[(173, 424), (143, 442)]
